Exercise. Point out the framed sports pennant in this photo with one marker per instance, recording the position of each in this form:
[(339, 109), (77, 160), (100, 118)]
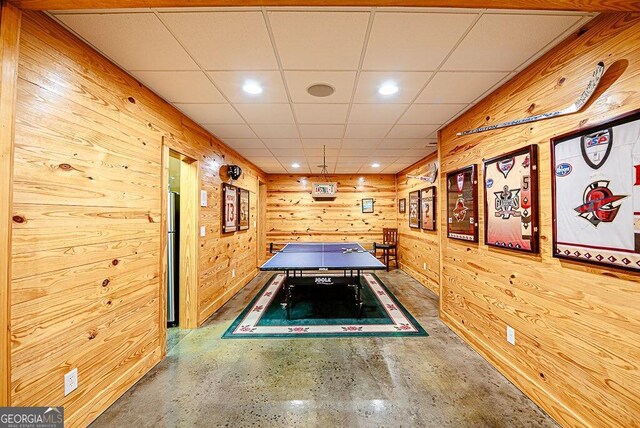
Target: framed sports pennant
[(462, 204), (596, 194), (511, 200)]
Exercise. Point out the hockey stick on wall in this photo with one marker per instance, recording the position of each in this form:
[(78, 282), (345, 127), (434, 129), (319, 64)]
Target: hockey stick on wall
[(573, 108)]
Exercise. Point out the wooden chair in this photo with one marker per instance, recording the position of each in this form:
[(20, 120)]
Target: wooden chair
[(389, 247)]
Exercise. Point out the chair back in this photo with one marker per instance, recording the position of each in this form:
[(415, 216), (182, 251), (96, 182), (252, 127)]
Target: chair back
[(389, 236)]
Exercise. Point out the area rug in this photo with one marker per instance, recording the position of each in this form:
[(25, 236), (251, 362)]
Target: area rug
[(324, 311)]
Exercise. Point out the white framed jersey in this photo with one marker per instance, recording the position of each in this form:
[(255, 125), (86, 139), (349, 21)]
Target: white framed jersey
[(596, 194), (511, 200)]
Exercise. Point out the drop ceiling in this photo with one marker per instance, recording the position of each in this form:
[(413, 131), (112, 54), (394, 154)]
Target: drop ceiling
[(442, 61)]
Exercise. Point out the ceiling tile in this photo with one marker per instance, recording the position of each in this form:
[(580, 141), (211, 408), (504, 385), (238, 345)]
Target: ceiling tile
[(133, 40), (361, 143), (282, 143), (210, 113), (230, 131), (412, 131), (356, 152), (231, 82), (413, 41), (431, 113), (321, 131), (321, 113), (320, 152), (265, 161), (275, 169), (266, 113), (244, 143), (458, 87), (224, 40), (311, 143), (376, 113), (290, 152), (341, 81), (407, 143), (351, 160), (389, 153), (502, 42), (366, 131), (319, 40), (181, 86), (276, 131), (250, 153), (409, 85)]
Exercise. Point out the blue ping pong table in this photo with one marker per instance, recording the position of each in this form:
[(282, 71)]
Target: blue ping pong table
[(296, 258)]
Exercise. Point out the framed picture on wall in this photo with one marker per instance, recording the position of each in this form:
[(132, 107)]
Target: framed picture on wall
[(462, 204), (367, 205), (511, 200), (402, 205), (229, 208), (428, 208), (414, 209), (243, 209), (596, 194)]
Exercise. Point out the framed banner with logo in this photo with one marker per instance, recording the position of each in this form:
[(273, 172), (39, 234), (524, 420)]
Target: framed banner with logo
[(428, 208), (414, 209), (462, 204), (243, 209), (596, 194), (511, 200)]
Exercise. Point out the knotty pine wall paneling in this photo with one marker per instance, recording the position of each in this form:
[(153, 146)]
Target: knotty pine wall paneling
[(417, 246), (293, 215), (86, 245), (10, 19), (577, 351)]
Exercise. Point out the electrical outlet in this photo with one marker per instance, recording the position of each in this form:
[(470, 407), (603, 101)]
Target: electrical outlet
[(424, 266), (70, 382), (203, 231), (233, 273), (511, 335)]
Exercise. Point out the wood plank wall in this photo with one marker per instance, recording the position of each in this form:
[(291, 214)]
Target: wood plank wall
[(86, 223), (577, 351), (416, 246), (293, 215)]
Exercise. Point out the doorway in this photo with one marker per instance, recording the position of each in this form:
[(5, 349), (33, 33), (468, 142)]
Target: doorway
[(181, 214)]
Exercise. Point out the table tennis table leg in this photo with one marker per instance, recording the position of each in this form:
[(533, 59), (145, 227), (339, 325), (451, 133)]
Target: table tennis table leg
[(359, 302)]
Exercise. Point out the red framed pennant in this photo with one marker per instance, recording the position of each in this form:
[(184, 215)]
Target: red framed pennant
[(462, 204)]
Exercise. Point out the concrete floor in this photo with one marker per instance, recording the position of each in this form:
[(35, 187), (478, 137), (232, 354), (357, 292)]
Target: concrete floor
[(437, 381)]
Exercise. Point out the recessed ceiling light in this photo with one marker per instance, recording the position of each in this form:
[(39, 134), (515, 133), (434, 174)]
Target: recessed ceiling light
[(375, 165), (295, 165), (388, 88), (252, 88)]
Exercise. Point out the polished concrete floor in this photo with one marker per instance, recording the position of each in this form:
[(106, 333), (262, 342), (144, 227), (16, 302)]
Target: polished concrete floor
[(435, 381)]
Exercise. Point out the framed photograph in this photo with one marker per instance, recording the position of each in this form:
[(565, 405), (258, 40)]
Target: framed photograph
[(596, 194), (229, 208), (511, 200), (414, 209), (324, 190), (243, 209), (428, 208), (367, 205), (402, 205), (462, 204)]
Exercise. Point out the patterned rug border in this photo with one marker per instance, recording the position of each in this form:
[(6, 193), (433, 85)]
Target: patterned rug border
[(228, 334)]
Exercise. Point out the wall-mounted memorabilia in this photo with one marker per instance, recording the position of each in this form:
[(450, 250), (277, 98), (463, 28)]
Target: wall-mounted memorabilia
[(428, 208), (324, 190), (414, 209), (243, 209), (402, 205), (367, 205), (462, 204), (511, 200), (596, 194), (430, 175), (229, 208)]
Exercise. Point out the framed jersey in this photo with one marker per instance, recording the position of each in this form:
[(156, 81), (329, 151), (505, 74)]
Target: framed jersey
[(414, 209), (462, 204), (428, 208), (511, 200), (596, 194)]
